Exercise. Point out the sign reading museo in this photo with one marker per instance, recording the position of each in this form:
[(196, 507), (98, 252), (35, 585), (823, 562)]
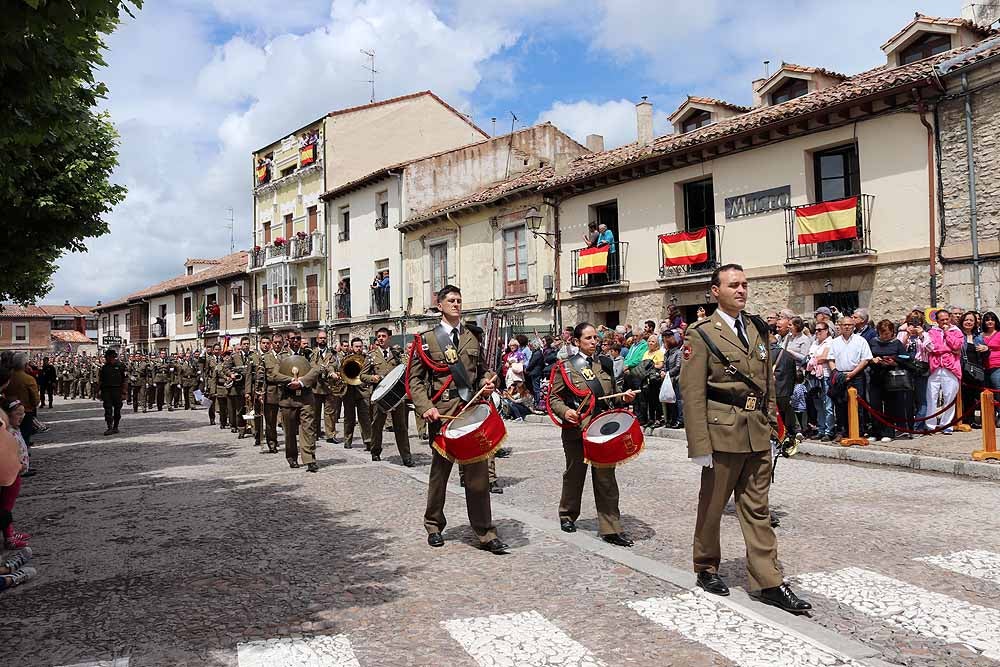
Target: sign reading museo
[(756, 203)]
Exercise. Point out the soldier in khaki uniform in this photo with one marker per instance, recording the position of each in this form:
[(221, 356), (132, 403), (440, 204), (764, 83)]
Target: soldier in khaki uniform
[(355, 400), (566, 406), (161, 377), (269, 392), (324, 357), (236, 368), (297, 415), (729, 412), (426, 384), (189, 380), (383, 362), (209, 386)]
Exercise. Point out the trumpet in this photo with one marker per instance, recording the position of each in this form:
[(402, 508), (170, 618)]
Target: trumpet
[(228, 384), (351, 369)]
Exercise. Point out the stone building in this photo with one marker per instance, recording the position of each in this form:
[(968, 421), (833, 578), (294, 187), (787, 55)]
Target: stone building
[(48, 328), (741, 175)]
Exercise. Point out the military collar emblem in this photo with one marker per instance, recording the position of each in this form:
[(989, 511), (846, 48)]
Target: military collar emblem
[(450, 354), (587, 373)]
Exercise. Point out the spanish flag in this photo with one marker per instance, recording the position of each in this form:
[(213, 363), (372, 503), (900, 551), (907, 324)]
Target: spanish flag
[(261, 173), (829, 221), (682, 248), (593, 260), (307, 155)]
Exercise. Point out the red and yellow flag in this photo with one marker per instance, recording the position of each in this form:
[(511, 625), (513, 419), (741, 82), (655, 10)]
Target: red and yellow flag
[(261, 173), (682, 248), (593, 260), (307, 155), (829, 221)]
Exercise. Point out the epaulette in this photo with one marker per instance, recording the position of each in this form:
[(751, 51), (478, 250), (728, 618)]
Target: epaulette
[(474, 330), (698, 324)]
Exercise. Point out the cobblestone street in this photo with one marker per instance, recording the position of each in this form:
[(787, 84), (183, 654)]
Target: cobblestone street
[(175, 543)]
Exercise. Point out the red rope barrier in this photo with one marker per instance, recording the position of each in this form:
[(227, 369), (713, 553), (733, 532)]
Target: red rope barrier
[(894, 424)]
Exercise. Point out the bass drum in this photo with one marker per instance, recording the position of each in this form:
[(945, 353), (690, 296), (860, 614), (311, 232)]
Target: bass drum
[(611, 439), (391, 390)]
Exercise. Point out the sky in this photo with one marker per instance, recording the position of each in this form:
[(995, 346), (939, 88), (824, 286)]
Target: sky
[(196, 85)]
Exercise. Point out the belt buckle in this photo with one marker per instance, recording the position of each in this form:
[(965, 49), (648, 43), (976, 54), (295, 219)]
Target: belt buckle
[(751, 403)]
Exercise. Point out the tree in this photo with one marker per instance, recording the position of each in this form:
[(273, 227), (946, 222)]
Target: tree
[(57, 152)]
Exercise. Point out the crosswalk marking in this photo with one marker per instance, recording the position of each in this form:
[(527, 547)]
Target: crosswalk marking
[(973, 563), (318, 651), (742, 639), (525, 639), (910, 607)]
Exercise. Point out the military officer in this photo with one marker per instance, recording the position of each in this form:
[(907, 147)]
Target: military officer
[(161, 377), (383, 361), (172, 389), (237, 370), (452, 342), (355, 400), (729, 415), (323, 356), (223, 387), (336, 388), (134, 382), (269, 391), (589, 375), (189, 380), (297, 415), (111, 379), (211, 363)]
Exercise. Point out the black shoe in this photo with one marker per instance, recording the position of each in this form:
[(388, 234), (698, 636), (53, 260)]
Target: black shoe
[(332, 440), (425, 437), (408, 463), (312, 467), (170, 409), (348, 445), (503, 453), (494, 546), (294, 464), (617, 539), (774, 521), (376, 457), (211, 423), (223, 427), (783, 598), (567, 526), (272, 450), (712, 583), (496, 488), (234, 430), (241, 436), (109, 431), (435, 540), (30, 472)]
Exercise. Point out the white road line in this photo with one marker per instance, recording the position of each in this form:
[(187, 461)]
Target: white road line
[(973, 563), (525, 639), (910, 607), (117, 662), (743, 639), (318, 651)]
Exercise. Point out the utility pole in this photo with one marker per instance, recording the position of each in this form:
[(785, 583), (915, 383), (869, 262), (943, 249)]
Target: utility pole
[(371, 70), (231, 225)]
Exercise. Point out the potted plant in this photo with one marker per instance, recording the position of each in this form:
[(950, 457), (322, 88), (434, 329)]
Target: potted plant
[(280, 241), (256, 248)]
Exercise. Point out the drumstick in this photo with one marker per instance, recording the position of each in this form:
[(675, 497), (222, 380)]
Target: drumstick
[(618, 395)]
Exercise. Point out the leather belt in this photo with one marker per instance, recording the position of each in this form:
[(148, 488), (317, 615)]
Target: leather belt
[(748, 402)]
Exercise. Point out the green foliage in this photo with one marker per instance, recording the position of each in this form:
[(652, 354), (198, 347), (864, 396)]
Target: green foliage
[(56, 151)]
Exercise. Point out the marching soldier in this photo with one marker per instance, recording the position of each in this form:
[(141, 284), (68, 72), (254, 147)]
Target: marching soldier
[(210, 363), (189, 381), (74, 378), (134, 386), (65, 378), (383, 361), (161, 376), (222, 390), (111, 379), (335, 393), (729, 414), (435, 393), (297, 415), (322, 357), (237, 369), (355, 400), (173, 381), (591, 378), (269, 395)]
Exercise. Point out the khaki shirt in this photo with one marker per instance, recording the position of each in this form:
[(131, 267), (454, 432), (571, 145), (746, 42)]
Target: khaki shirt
[(266, 381), (426, 383), (559, 393)]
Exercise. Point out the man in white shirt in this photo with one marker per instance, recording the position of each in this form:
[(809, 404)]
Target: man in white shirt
[(849, 354)]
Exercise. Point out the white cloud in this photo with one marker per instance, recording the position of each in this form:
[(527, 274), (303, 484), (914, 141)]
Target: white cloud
[(615, 120)]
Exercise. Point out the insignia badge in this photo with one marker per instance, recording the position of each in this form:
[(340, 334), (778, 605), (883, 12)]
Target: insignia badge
[(450, 355), (762, 352), (587, 374), (687, 352)]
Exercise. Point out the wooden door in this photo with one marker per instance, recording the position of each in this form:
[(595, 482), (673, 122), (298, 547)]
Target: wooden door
[(288, 226), (313, 219), (312, 298)]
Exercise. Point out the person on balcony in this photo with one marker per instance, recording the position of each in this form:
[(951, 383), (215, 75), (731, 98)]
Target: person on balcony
[(605, 237)]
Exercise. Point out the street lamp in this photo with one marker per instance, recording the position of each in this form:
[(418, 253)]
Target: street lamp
[(533, 221)]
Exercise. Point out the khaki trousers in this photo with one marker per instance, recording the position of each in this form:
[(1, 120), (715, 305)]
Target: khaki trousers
[(356, 410), (575, 476), (400, 429), (271, 425), (222, 404), (300, 428), (746, 477), (327, 408), (236, 405), (477, 497)]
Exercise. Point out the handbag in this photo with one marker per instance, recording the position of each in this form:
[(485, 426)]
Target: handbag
[(896, 379), (974, 372)]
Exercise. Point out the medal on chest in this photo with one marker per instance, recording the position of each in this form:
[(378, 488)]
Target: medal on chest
[(761, 352), (587, 374), (450, 355)]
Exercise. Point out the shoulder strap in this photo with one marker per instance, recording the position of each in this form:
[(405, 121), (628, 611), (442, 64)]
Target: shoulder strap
[(457, 370), (731, 369), (580, 365)]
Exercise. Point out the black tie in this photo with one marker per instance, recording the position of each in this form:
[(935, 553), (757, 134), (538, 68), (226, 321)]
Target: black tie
[(742, 336), (454, 337), (385, 353), (590, 361)]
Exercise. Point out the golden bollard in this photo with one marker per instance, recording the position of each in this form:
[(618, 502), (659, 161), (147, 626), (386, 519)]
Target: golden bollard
[(959, 412), (853, 427), (989, 450)]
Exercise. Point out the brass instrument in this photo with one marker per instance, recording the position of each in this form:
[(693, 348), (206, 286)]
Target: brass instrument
[(351, 369), (228, 384), (294, 366)]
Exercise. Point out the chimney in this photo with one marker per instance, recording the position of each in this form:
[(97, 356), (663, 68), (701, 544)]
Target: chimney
[(562, 162), (757, 83), (67, 302), (644, 121), (98, 303), (595, 143)]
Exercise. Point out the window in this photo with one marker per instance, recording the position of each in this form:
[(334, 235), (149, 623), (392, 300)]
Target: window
[(789, 90), (345, 225), (699, 205), (116, 322), (288, 226), (288, 171), (190, 270), (128, 321), (698, 119), (237, 292), (929, 45), (20, 333), (837, 174), (515, 259), (63, 325), (267, 232), (104, 323), (382, 209), (187, 311), (439, 268), (846, 302), (163, 310), (313, 217)]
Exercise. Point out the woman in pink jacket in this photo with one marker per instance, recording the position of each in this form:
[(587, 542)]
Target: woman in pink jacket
[(946, 370)]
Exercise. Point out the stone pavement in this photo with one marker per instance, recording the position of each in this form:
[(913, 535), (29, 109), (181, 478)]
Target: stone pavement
[(175, 543)]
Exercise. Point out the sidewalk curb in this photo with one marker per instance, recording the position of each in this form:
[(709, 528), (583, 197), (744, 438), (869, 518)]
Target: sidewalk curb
[(863, 455)]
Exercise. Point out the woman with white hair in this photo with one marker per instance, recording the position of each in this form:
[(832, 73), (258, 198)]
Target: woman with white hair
[(512, 356)]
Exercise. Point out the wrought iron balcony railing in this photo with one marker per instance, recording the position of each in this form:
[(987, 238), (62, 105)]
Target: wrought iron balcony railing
[(342, 305), (613, 273), (713, 239), (860, 244), (379, 300)]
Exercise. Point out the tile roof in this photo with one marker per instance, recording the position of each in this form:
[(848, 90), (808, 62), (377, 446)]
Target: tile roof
[(529, 180), (717, 102), (875, 81), (14, 311), (70, 337), (806, 69), (224, 267), (63, 310), (392, 100), (937, 20), (202, 261)]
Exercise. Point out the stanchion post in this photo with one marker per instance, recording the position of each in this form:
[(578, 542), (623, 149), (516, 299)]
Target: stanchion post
[(960, 412), (853, 427), (989, 450)]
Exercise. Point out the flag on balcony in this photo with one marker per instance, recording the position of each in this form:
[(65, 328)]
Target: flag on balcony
[(683, 248), (261, 172), (307, 155), (593, 260), (829, 221)]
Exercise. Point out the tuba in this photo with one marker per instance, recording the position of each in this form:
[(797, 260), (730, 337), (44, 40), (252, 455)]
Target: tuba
[(351, 369)]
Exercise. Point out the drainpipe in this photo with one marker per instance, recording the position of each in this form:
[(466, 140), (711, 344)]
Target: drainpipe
[(398, 175), (458, 247), (973, 209), (556, 278), (922, 109)]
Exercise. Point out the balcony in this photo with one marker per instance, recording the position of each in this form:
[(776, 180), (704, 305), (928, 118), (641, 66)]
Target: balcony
[(211, 323), (258, 318), (693, 273), (276, 251), (381, 222), (843, 253), (310, 246), (255, 259), (379, 300), (342, 305), (286, 313), (344, 235), (158, 330), (614, 276)]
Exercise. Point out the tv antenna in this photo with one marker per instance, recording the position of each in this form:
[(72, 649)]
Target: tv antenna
[(231, 225), (371, 69)]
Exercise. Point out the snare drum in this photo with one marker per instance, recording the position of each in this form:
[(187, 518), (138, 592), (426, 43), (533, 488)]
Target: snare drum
[(391, 390), (611, 439), (475, 436)]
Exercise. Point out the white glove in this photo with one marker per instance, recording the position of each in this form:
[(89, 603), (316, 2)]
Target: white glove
[(704, 461)]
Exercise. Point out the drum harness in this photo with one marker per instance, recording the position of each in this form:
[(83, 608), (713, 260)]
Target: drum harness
[(459, 376), (576, 398)]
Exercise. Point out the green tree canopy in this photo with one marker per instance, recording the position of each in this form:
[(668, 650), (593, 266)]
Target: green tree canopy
[(56, 151)]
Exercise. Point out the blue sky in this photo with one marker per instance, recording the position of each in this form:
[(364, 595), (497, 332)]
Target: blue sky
[(197, 84)]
